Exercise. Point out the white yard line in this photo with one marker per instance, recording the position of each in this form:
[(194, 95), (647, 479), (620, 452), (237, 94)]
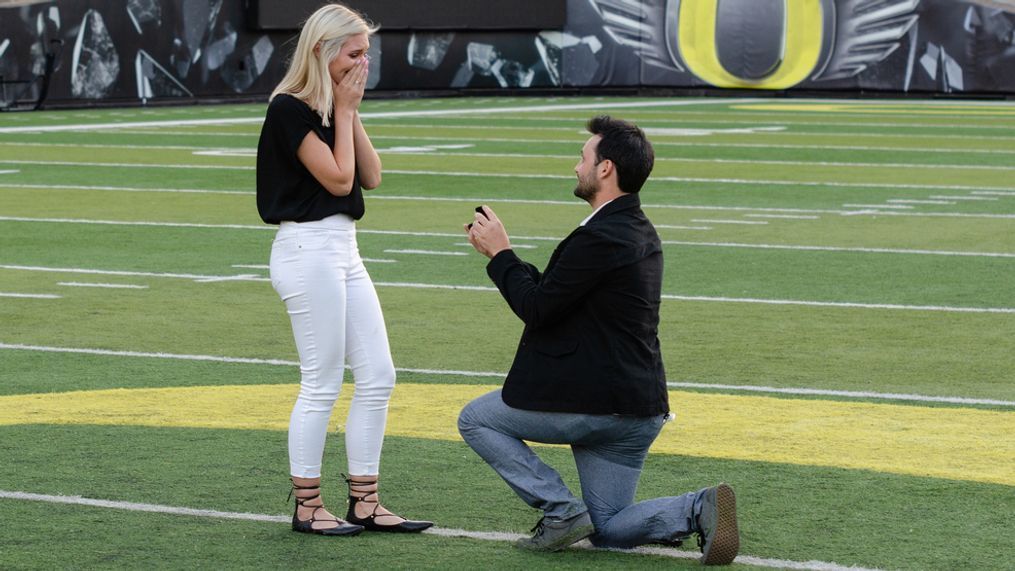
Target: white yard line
[(678, 227), (30, 295), (655, 179), (944, 308), (438, 531), (713, 221), (534, 238), (502, 374), (413, 285), (426, 252), (783, 216), (101, 285), (660, 143), (366, 115)]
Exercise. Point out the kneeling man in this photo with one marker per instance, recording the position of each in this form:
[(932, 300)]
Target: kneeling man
[(588, 370)]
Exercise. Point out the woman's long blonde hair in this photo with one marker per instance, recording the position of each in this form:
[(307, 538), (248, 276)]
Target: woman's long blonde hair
[(308, 78)]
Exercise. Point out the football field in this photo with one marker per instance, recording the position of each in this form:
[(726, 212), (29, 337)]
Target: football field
[(837, 324)]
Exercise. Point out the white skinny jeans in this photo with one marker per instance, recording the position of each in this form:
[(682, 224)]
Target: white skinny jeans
[(331, 301)]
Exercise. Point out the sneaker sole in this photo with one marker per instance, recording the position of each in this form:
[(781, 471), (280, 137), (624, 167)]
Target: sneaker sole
[(726, 540)]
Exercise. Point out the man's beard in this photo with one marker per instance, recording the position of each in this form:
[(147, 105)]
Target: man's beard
[(586, 189)]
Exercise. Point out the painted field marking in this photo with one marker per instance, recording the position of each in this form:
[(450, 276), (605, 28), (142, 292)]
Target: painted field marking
[(251, 266), (30, 295), (555, 177), (914, 201), (841, 249), (896, 206), (949, 309), (783, 216), (436, 530), (533, 238), (831, 304), (101, 285), (678, 227), (714, 161), (426, 252), (9, 171), (994, 192), (964, 198), (128, 189), (658, 143), (780, 119), (735, 181), (966, 444), (366, 115), (865, 395), (713, 221)]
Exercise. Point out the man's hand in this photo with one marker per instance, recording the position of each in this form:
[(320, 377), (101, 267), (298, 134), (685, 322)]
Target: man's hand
[(487, 234)]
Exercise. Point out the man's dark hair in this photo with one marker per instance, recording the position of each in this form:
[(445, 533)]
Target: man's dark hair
[(624, 144)]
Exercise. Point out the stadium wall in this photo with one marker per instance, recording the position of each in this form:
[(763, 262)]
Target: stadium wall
[(175, 51)]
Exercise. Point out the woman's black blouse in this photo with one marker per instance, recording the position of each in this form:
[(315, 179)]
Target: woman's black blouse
[(286, 190)]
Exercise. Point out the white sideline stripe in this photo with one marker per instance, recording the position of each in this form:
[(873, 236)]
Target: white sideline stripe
[(499, 374), (375, 115), (129, 165), (677, 227), (251, 266), (438, 531), (101, 285), (9, 171), (945, 308), (31, 295), (538, 238), (252, 278)]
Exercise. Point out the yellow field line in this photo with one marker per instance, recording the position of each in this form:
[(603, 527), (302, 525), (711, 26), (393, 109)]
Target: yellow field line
[(881, 109), (953, 443)]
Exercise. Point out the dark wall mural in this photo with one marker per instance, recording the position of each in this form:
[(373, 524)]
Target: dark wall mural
[(143, 51)]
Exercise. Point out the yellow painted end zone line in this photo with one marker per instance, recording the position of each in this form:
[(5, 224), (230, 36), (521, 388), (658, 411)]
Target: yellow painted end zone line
[(952, 443)]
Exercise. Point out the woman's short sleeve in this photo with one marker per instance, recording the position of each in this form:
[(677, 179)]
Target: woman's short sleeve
[(290, 120)]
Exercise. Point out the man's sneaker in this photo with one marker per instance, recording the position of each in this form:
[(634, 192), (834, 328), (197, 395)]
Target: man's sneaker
[(717, 526), (554, 534)]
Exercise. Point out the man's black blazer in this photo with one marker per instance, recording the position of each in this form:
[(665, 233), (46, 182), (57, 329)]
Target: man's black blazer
[(590, 343)]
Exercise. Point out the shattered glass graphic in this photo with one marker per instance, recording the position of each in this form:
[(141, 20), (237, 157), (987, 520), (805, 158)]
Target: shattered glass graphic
[(374, 53), (153, 80), (241, 73), (578, 54), (142, 12), (427, 50), (95, 63)]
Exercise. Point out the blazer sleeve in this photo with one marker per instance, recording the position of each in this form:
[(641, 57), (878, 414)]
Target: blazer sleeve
[(579, 265)]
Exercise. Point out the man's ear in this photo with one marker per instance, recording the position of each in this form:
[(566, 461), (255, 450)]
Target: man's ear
[(605, 168)]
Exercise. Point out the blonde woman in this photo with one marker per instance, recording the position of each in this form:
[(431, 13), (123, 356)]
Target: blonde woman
[(313, 161)]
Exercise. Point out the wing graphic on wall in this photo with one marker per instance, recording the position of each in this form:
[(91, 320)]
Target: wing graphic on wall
[(640, 24), (866, 32)]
